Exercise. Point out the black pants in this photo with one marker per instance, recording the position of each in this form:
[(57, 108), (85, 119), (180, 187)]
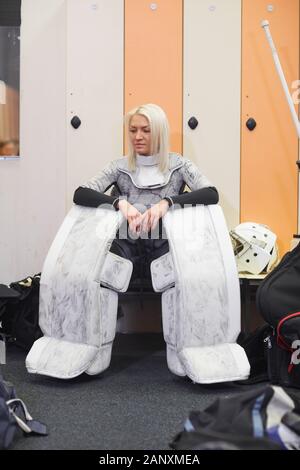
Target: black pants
[(141, 252)]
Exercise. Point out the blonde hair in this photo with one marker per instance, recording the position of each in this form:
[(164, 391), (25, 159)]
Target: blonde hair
[(159, 127)]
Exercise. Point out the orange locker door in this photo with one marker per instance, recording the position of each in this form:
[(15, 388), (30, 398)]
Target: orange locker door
[(269, 152), (153, 59)]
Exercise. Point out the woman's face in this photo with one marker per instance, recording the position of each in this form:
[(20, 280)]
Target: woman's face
[(140, 134)]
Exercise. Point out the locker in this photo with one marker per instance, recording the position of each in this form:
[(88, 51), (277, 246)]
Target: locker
[(94, 88), (153, 59), (212, 78), (269, 152)]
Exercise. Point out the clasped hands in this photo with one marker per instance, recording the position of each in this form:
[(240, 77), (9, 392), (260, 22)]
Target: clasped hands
[(145, 222)]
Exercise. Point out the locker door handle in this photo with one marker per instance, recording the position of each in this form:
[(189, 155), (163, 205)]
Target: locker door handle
[(75, 121), (251, 124), (192, 123)]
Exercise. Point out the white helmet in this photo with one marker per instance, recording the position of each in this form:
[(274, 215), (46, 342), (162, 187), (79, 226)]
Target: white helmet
[(255, 247)]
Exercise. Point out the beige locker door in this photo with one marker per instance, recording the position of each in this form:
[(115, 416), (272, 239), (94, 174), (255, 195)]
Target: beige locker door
[(269, 152), (95, 48), (212, 77)]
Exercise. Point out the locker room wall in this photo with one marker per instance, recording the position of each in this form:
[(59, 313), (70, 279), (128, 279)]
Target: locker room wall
[(33, 188), (97, 59)]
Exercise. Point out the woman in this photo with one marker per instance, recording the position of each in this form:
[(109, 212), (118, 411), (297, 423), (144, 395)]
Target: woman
[(146, 183)]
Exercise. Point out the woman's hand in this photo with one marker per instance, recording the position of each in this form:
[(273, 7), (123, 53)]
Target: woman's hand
[(131, 214), (150, 218)]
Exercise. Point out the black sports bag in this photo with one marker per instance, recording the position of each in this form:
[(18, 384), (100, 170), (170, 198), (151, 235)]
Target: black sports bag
[(278, 301), (19, 317), (278, 294), (264, 417)]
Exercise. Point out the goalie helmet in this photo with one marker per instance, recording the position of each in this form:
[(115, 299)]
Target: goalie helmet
[(255, 248)]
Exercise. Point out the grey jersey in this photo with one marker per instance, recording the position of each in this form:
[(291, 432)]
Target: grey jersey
[(181, 172)]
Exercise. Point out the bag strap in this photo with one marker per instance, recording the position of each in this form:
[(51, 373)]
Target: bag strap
[(280, 340), (30, 426), (19, 421)]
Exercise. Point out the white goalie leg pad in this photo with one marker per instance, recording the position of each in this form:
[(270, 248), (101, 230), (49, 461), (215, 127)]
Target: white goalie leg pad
[(206, 300), (58, 358), (72, 303), (213, 364), (169, 329), (115, 274), (107, 330), (163, 278), (162, 273)]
